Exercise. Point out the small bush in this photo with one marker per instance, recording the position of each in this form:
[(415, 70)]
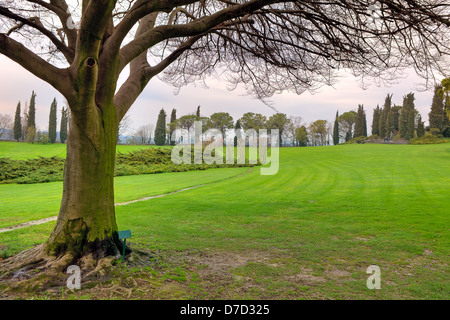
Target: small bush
[(428, 139), (42, 137), (359, 140)]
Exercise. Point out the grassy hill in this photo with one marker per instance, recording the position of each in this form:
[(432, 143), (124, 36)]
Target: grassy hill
[(309, 232)]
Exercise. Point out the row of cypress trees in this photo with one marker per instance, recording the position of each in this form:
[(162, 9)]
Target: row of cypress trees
[(160, 129), (25, 129), (401, 119), (404, 120), (407, 121), (358, 119)]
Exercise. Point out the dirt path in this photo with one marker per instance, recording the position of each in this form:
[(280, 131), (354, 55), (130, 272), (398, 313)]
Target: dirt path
[(159, 195), (45, 220), (28, 224)]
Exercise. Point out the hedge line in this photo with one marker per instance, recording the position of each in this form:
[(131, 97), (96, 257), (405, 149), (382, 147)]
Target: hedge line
[(48, 169)]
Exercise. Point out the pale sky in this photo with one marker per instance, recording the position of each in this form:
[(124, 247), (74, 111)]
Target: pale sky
[(16, 84)]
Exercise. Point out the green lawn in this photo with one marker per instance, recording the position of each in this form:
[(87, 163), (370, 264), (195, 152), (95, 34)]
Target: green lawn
[(23, 150), (309, 232), (22, 203)]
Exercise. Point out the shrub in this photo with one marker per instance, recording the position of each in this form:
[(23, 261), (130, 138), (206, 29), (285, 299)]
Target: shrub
[(42, 137), (428, 139), (359, 140), (436, 132), (147, 161)]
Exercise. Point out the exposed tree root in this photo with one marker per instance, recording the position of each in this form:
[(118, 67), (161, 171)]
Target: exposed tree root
[(36, 270)]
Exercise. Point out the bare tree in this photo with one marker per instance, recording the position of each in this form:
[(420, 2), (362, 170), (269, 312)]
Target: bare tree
[(144, 134), (6, 122), (294, 125), (123, 127), (268, 46)]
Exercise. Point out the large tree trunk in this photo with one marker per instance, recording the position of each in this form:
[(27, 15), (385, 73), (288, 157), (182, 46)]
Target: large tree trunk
[(86, 223), (86, 229)]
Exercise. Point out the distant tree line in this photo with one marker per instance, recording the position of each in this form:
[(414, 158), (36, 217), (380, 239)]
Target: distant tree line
[(391, 121), (23, 126), (397, 121), (291, 129)]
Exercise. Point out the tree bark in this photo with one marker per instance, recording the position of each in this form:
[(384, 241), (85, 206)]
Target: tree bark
[(86, 223)]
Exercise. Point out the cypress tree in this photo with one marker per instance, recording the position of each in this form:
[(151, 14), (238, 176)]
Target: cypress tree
[(446, 130), (388, 120), (410, 116), (382, 124), (420, 127), (447, 107), (17, 124), (403, 123), (437, 116), (365, 124), (360, 126), (52, 122), (160, 130), (376, 121), (172, 125), (32, 112), (336, 130), (411, 124), (237, 131), (395, 111), (390, 123), (63, 126), (198, 112)]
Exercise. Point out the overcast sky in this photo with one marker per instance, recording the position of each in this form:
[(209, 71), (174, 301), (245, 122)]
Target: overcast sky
[(16, 84)]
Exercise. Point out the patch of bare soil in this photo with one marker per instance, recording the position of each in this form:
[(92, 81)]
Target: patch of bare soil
[(335, 273), (189, 275), (306, 278), (224, 262)]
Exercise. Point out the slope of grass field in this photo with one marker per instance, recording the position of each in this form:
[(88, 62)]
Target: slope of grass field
[(309, 232)]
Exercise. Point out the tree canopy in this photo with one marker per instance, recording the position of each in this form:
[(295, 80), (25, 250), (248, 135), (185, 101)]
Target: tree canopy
[(268, 46), (221, 121), (252, 120)]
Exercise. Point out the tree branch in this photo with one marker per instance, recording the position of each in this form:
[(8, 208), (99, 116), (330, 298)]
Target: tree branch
[(58, 78), (60, 8), (139, 10), (141, 73), (36, 24), (161, 33)]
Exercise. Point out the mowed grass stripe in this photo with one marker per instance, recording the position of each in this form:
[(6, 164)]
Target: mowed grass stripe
[(23, 203)]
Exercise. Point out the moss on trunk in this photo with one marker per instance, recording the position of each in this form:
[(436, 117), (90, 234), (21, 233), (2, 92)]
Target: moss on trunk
[(86, 223)]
